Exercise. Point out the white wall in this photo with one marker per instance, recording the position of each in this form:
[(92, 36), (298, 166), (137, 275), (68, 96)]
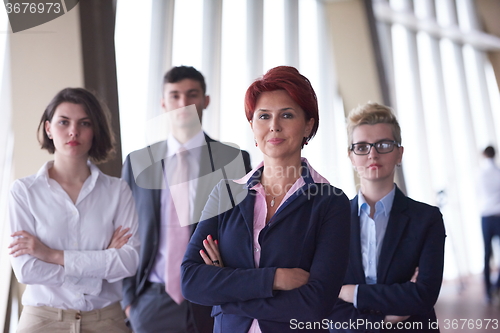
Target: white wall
[(44, 60)]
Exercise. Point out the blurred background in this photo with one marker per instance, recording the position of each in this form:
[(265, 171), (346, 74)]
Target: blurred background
[(436, 62)]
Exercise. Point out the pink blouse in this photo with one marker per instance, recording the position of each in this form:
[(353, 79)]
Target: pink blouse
[(260, 213)]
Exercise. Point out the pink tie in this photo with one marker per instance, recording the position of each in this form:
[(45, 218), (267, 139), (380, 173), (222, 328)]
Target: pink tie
[(178, 231)]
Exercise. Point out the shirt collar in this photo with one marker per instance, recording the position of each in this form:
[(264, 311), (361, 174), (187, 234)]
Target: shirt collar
[(253, 177), (94, 173), (384, 205), (196, 141), (43, 172)]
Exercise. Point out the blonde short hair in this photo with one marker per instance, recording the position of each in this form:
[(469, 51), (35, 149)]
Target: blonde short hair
[(370, 114)]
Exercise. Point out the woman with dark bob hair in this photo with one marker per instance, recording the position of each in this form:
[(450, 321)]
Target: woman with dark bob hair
[(73, 227), (397, 244), (274, 256)]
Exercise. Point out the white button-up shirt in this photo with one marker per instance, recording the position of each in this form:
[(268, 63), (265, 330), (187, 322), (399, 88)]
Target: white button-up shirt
[(373, 232), (91, 276), (488, 185)]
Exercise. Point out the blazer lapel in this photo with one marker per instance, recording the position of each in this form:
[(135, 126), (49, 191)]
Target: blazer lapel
[(206, 158), (206, 182), (395, 228), (356, 260), (247, 211)]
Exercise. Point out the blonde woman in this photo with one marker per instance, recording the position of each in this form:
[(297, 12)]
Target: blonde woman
[(397, 244)]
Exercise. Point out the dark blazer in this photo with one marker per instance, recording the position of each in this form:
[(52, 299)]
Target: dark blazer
[(143, 172), (414, 238), (309, 231)]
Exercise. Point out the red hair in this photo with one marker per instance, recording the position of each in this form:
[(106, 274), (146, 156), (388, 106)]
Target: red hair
[(295, 84)]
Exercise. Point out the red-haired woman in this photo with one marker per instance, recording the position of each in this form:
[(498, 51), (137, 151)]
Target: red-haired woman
[(271, 255)]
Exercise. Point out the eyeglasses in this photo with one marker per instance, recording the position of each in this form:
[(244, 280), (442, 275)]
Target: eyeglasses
[(382, 147)]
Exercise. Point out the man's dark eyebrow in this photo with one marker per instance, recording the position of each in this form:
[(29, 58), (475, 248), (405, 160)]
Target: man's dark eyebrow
[(187, 92)]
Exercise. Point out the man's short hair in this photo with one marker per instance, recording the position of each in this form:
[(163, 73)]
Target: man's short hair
[(489, 152), (180, 73)]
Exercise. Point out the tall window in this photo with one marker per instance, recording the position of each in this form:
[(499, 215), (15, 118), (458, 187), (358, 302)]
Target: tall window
[(132, 44), (188, 25), (443, 91)]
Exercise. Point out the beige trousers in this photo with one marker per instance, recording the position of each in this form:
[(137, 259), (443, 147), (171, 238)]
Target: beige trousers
[(44, 319)]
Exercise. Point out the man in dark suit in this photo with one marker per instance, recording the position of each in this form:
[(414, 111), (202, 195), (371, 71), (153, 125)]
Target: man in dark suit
[(149, 307)]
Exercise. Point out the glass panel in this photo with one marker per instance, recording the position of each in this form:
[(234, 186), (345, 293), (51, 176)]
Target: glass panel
[(478, 92), (464, 149), (494, 100), (274, 33), (233, 124), (187, 44)]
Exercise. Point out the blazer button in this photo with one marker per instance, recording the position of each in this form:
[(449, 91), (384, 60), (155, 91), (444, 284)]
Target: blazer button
[(78, 316)]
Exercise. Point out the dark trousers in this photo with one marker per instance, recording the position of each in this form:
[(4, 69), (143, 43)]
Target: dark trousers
[(491, 228), (154, 311)]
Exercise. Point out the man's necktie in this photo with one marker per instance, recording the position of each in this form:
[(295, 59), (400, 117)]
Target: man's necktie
[(178, 231)]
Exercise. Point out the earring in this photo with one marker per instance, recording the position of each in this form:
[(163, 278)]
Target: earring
[(256, 144), (398, 165), (49, 135)]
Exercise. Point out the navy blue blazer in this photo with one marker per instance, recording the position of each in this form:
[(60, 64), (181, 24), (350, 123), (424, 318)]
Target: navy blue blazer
[(145, 179), (309, 231), (414, 238)]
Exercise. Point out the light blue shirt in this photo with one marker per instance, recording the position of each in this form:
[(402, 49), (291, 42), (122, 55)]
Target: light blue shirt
[(372, 232)]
